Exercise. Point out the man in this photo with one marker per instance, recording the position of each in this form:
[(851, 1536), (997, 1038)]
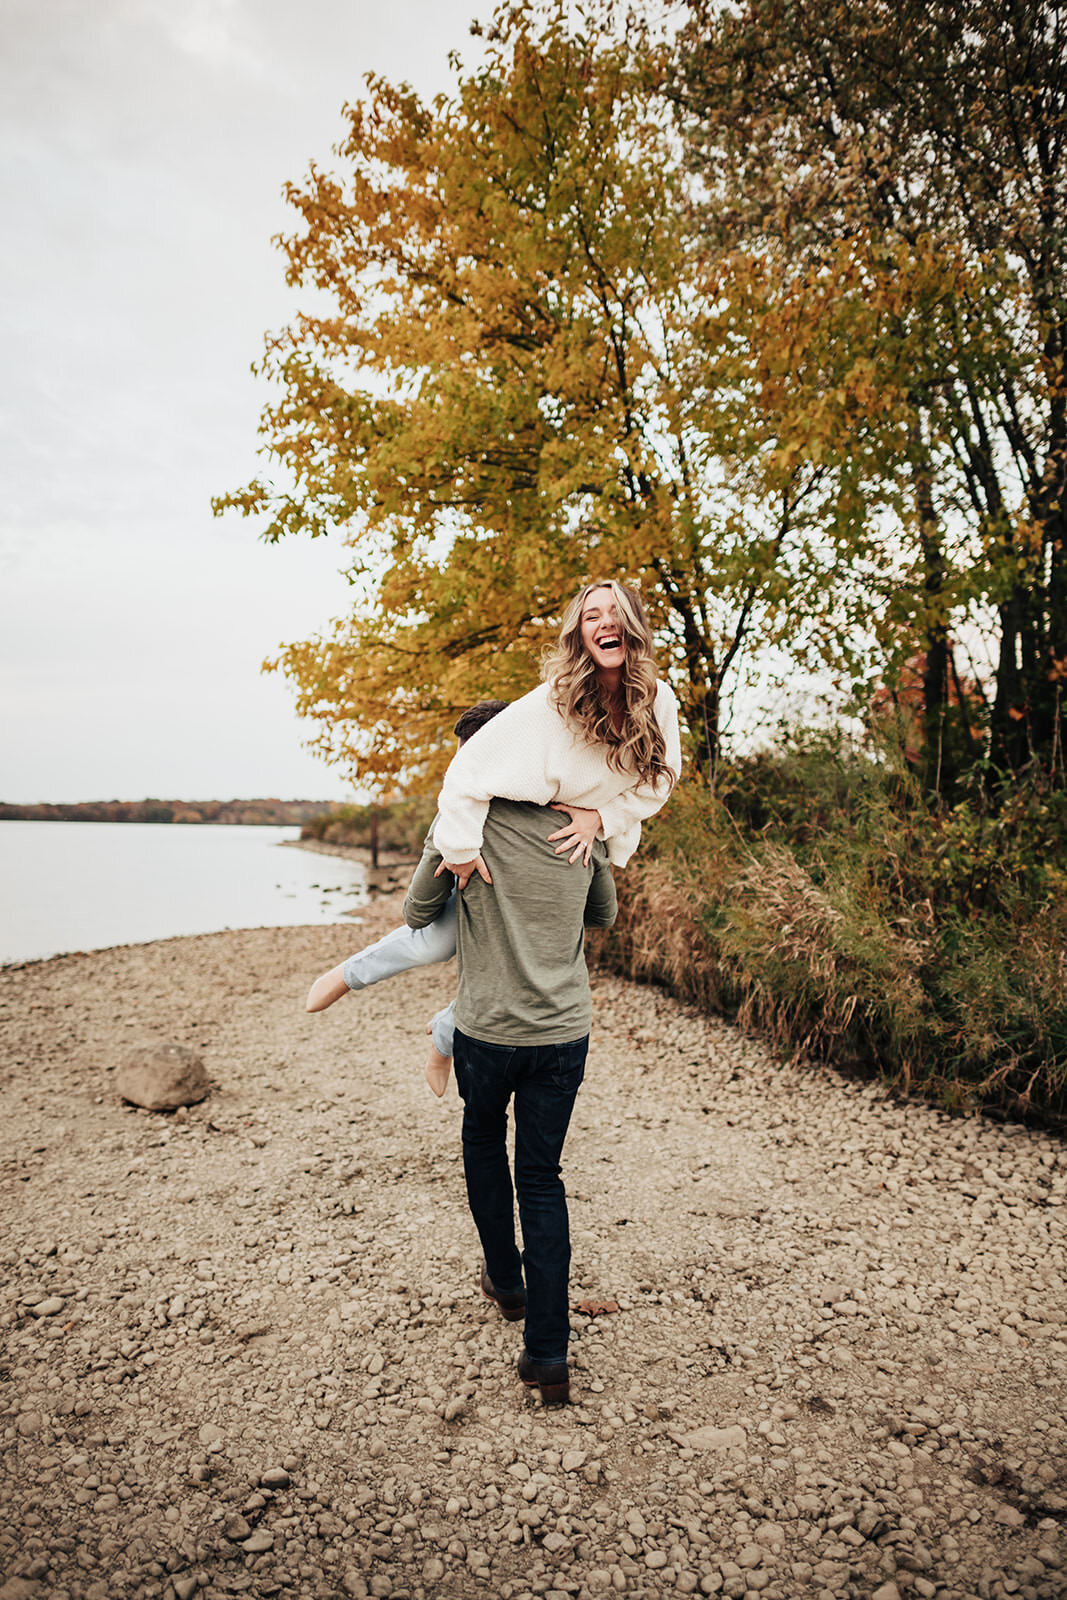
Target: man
[(522, 1030)]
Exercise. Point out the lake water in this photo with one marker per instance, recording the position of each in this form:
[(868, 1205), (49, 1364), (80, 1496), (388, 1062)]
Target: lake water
[(82, 885)]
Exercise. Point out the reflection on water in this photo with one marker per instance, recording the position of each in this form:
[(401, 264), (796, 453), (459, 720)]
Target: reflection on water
[(82, 885)]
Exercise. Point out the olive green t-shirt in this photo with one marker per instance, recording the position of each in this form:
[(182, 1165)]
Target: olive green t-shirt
[(520, 940)]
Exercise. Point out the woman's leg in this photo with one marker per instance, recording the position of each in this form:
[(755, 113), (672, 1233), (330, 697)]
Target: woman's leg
[(403, 949), (439, 1065)]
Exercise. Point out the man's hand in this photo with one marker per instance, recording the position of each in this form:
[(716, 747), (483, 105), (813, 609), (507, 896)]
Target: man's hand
[(463, 871), (579, 834)]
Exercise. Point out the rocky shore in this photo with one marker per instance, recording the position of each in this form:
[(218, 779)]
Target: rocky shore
[(819, 1337)]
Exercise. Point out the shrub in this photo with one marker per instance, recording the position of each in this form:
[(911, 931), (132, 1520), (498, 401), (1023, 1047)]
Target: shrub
[(402, 825), (818, 900)]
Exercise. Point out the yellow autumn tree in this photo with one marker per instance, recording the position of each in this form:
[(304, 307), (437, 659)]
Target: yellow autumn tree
[(525, 373)]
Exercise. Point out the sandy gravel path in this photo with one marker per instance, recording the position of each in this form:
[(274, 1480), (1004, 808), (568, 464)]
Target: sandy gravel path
[(243, 1350)]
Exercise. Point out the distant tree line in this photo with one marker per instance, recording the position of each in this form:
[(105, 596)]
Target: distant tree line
[(252, 812)]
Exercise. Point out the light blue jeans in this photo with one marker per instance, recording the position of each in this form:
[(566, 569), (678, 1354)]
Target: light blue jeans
[(403, 949)]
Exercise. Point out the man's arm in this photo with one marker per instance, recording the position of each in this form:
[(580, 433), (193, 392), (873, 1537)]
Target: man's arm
[(427, 895), (601, 904)]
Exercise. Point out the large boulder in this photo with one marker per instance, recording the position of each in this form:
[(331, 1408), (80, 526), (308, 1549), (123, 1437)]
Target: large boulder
[(162, 1077)]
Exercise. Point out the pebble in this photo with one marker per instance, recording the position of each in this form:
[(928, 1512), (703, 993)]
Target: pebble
[(48, 1308), (710, 1438)]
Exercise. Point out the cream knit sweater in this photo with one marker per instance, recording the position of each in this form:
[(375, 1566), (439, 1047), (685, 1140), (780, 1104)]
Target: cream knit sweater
[(527, 752)]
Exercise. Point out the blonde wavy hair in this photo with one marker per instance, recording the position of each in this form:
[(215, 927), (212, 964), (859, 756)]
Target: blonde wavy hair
[(638, 746)]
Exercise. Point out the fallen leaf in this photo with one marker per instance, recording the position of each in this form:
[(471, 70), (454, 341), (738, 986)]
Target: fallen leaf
[(595, 1308)]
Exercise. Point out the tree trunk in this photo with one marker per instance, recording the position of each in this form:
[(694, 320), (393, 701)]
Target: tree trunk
[(939, 765)]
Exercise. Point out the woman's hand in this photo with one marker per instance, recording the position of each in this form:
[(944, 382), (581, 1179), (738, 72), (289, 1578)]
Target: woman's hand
[(463, 871), (579, 834)]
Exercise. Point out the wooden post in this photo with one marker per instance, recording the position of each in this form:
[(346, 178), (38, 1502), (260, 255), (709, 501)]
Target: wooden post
[(374, 837)]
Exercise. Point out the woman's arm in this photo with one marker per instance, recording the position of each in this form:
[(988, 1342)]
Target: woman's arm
[(645, 799), (506, 757)]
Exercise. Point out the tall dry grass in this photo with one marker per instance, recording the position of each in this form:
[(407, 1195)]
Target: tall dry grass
[(821, 903)]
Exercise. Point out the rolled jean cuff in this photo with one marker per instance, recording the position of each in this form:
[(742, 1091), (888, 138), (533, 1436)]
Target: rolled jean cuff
[(443, 1029)]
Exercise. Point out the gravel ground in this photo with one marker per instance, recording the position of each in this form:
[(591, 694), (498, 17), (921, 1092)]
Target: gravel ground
[(244, 1350)]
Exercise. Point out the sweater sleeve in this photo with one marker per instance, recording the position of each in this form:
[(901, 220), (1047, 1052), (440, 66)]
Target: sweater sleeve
[(507, 758), (621, 818), (427, 893)]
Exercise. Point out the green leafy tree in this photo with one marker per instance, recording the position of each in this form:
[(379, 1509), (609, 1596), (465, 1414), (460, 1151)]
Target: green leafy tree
[(929, 138)]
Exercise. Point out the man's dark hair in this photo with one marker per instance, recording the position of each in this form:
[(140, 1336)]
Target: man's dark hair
[(476, 717)]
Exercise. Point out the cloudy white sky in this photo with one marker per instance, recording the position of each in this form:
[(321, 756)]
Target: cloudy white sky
[(144, 147)]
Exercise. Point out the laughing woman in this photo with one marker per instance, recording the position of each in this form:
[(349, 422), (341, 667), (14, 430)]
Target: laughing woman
[(598, 738)]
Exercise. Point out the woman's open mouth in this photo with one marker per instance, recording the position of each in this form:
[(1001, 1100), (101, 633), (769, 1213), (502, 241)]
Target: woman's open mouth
[(609, 641)]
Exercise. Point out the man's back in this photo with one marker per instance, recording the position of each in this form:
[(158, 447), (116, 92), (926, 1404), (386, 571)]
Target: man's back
[(522, 973)]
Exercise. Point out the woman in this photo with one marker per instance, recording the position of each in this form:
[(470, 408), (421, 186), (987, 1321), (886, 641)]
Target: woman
[(598, 739)]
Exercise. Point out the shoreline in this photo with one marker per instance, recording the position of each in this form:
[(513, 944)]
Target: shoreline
[(392, 872), (389, 859)]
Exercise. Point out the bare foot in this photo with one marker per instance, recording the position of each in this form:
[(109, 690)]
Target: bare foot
[(325, 990), (438, 1068)]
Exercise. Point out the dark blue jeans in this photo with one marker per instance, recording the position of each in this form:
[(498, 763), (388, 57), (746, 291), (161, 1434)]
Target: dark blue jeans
[(544, 1080)]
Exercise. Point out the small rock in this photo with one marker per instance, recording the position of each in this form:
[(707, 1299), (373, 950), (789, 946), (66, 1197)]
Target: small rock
[(161, 1077), (573, 1460), (48, 1308), (455, 1408), (732, 1438), (355, 1585), (19, 1589), (30, 1422), (260, 1541), (275, 1478), (236, 1528), (886, 1591), (1009, 1517), (184, 1588), (656, 1559)]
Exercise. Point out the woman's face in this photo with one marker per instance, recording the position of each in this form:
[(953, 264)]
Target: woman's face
[(602, 636)]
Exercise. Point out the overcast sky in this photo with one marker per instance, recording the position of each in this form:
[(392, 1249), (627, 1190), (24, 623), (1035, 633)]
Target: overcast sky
[(144, 147)]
